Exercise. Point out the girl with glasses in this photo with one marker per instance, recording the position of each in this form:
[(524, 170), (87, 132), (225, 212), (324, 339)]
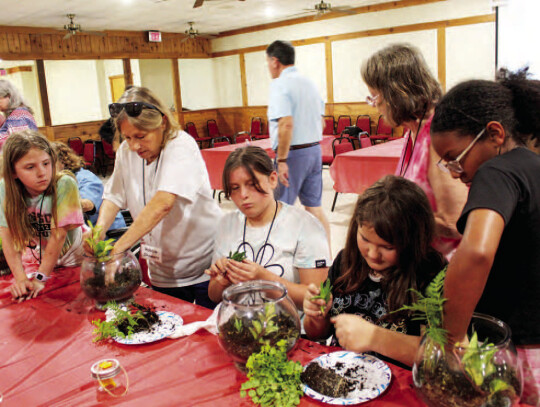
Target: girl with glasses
[(405, 92), (160, 177), (480, 129)]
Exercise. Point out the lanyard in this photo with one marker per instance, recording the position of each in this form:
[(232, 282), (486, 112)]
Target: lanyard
[(267, 236), (143, 183), (39, 230), (401, 171)]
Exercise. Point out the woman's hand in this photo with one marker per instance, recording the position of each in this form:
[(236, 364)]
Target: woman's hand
[(312, 308), (218, 272), (246, 270), (354, 332), (26, 289)]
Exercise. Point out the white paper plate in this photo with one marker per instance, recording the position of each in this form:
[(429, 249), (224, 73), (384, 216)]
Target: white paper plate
[(375, 376), (169, 322)]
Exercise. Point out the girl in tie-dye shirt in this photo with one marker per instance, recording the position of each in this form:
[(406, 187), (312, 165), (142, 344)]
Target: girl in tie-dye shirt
[(39, 210)]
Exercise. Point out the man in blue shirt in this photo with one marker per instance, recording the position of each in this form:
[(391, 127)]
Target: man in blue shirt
[(295, 112)]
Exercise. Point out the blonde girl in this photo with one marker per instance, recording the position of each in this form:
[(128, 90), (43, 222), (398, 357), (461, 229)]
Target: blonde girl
[(387, 252), (39, 210)]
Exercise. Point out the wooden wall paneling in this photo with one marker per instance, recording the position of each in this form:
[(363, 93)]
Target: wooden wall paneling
[(243, 79), (441, 57), (42, 83), (4, 45), (36, 41), (13, 43), (46, 43), (177, 89), (329, 72), (86, 130), (24, 42)]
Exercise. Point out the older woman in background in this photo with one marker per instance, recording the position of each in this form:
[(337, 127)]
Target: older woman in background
[(18, 115), (405, 92), (161, 178)]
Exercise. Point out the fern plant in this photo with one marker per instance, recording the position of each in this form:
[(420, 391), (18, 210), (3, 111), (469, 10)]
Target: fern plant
[(100, 248)]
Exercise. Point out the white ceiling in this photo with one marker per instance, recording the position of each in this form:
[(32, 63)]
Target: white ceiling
[(165, 15)]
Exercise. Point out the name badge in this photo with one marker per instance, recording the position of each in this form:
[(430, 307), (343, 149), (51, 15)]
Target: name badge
[(150, 253)]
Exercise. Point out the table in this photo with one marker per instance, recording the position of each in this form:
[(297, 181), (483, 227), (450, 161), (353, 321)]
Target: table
[(47, 351), (215, 157), (356, 170)]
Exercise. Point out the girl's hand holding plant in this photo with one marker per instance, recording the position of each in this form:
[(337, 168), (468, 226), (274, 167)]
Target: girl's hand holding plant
[(315, 305), (354, 332), (245, 270), (218, 272)]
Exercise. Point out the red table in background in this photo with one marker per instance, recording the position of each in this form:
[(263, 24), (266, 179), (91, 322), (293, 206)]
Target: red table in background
[(215, 157), (356, 170), (47, 351)]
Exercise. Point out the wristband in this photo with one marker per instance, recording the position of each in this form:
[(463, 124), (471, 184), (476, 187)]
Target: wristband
[(281, 160), (41, 277)]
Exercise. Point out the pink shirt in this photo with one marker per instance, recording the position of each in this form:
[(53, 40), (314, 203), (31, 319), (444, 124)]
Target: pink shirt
[(413, 165)]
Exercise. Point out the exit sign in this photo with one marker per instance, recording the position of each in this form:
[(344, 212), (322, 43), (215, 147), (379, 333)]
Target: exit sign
[(154, 36)]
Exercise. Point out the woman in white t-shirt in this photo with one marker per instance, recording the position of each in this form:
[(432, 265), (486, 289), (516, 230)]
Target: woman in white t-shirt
[(281, 242), (161, 178)]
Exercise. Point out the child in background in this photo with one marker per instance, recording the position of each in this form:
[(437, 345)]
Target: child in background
[(481, 130), (282, 243), (39, 209), (90, 186), (387, 252)]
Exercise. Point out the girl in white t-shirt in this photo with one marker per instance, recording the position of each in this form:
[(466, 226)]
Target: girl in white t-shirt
[(282, 243)]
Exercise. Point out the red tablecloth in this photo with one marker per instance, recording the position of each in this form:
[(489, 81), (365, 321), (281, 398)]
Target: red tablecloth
[(215, 157), (356, 170), (47, 351)]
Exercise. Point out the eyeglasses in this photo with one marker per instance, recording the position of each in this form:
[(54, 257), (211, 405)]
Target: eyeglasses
[(372, 100), (133, 109), (455, 165)]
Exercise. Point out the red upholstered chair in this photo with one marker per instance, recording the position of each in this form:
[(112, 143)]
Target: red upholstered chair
[(219, 142), (91, 156), (241, 136), (213, 130), (191, 129), (363, 121), (343, 121), (365, 142), (256, 127), (384, 131), (339, 146), (108, 154), (329, 125), (76, 144)]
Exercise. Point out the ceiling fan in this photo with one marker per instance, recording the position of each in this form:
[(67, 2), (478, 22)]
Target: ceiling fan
[(192, 33), (323, 8), (199, 3), (72, 28)]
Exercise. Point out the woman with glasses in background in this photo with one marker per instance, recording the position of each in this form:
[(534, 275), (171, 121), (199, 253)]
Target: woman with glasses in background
[(161, 178), (18, 115), (405, 92), (480, 129)]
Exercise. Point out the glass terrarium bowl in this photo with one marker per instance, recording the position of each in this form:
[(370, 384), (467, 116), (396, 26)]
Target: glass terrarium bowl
[(115, 278), (253, 312), (468, 376)]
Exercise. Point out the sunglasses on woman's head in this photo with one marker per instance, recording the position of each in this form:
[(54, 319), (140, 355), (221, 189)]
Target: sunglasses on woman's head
[(133, 109)]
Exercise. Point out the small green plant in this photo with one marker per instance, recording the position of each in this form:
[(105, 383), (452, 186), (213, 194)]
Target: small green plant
[(273, 380), (1, 247), (100, 248), (237, 256), (265, 322), (129, 320), (325, 292), (238, 324), (429, 308)]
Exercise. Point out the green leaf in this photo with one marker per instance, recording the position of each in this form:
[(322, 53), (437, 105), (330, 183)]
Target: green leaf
[(237, 256)]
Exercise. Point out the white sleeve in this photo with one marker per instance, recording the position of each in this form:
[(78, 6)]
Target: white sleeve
[(226, 236), (115, 190), (312, 248), (182, 171)]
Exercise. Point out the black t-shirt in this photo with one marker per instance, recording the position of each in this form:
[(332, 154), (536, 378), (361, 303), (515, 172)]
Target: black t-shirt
[(510, 185)]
